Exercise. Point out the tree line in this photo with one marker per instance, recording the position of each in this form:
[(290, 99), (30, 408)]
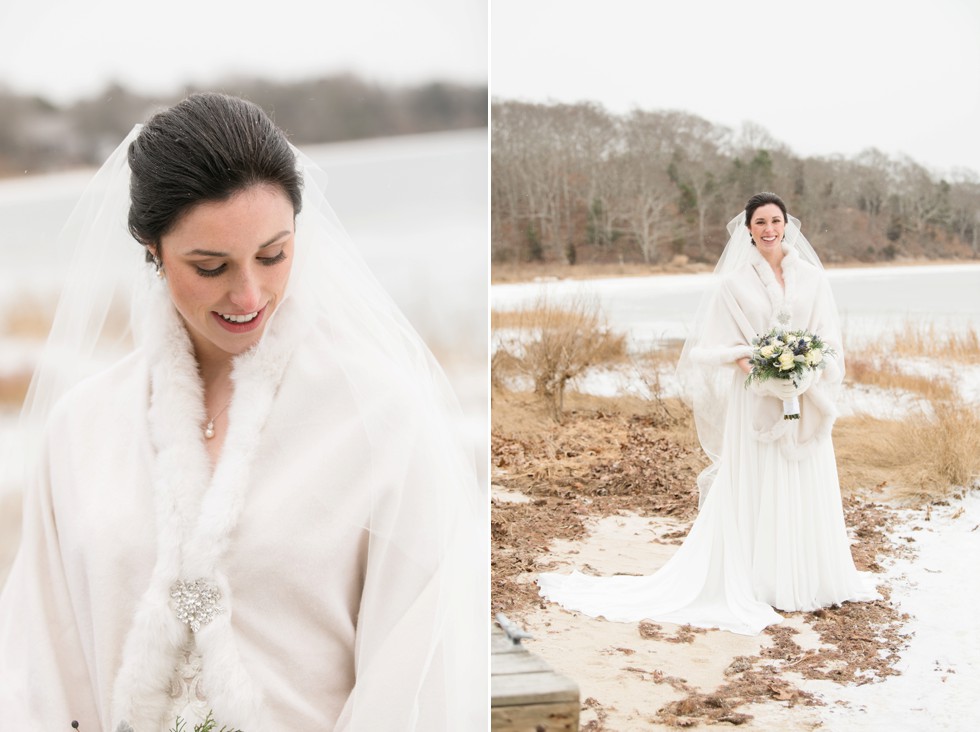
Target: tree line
[(574, 183), (37, 135)]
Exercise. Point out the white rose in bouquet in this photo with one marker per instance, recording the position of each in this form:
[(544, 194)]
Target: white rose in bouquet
[(786, 361)]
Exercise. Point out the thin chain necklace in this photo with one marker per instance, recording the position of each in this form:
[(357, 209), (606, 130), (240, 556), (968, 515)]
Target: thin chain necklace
[(209, 429)]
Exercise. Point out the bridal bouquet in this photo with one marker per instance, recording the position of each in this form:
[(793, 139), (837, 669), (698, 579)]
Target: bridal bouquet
[(790, 355)]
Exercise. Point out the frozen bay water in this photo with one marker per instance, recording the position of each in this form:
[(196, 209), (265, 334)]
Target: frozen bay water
[(871, 300)]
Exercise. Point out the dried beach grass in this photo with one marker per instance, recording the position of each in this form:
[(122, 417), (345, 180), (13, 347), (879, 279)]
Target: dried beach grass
[(883, 373), (555, 343), (922, 458), (929, 341)]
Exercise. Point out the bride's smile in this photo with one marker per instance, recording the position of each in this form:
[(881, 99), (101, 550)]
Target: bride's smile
[(767, 227)]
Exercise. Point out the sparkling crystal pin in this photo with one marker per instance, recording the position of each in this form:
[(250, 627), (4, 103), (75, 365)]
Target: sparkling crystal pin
[(196, 603)]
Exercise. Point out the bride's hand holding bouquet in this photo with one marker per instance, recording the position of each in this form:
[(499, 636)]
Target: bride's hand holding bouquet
[(784, 365)]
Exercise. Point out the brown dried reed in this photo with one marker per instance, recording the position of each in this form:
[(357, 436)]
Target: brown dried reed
[(922, 458), (877, 371), (554, 344), (928, 341)]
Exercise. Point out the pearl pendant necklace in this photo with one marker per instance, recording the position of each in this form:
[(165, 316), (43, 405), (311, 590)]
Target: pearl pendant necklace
[(209, 428)]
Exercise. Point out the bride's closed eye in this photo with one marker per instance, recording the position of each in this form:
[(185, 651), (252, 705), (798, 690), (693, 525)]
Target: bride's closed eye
[(213, 272), (269, 261)]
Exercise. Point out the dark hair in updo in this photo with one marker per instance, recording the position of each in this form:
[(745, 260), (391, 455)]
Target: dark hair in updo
[(763, 199), (206, 148)]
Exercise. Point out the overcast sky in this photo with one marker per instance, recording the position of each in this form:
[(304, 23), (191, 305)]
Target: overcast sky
[(834, 76), (65, 49)]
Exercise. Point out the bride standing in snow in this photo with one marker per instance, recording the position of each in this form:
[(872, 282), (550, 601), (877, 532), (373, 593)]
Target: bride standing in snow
[(770, 531)]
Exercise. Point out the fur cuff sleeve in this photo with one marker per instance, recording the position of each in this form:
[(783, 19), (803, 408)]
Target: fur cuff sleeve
[(720, 356)]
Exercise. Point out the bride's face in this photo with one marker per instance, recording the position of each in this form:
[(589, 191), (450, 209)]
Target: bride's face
[(767, 227), (226, 264)]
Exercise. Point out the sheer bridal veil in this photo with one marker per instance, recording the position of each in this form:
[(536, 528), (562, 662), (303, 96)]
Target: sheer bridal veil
[(100, 311)]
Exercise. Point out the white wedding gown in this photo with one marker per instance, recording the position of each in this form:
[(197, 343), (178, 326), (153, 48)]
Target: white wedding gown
[(770, 531)]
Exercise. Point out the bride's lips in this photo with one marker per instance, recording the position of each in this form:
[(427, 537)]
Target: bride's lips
[(239, 327)]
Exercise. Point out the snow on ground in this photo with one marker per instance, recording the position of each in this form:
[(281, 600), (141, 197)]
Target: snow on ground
[(881, 403), (965, 377), (633, 380), (940, 670)]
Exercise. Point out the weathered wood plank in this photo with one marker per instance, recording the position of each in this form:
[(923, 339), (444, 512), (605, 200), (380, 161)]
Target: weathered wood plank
[(531, 688), (558, 717), (517, 663), (526, 694)]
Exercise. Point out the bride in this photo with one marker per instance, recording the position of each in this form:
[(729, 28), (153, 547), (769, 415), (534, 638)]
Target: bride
[(261, 512), (770, 530)]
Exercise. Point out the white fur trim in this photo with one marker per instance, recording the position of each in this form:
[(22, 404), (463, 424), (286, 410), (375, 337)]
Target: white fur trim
[(814, 404), (781, 297)]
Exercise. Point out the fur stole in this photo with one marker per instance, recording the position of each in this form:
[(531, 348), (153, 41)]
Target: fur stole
[(816, 402), (196, 511)]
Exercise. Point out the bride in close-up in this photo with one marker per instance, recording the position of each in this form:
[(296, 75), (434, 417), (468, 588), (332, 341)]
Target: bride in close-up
[(770, 529), (263, 512)]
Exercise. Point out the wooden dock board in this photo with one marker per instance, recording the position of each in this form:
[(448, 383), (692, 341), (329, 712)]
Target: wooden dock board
[(526, 694)]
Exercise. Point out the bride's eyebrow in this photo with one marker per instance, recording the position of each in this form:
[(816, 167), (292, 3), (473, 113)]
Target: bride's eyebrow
[(210, 253)]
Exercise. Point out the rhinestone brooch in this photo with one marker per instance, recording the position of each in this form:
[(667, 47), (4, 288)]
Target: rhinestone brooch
[(196, 603)]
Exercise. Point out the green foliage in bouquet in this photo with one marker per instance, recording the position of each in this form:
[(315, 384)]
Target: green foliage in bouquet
[(786, 354), (208, 725)]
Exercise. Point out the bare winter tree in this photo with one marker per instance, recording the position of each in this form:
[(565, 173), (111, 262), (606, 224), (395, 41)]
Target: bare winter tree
[(646, 191)]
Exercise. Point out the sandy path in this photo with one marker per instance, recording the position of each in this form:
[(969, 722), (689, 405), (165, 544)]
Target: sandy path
[(628, 676)]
